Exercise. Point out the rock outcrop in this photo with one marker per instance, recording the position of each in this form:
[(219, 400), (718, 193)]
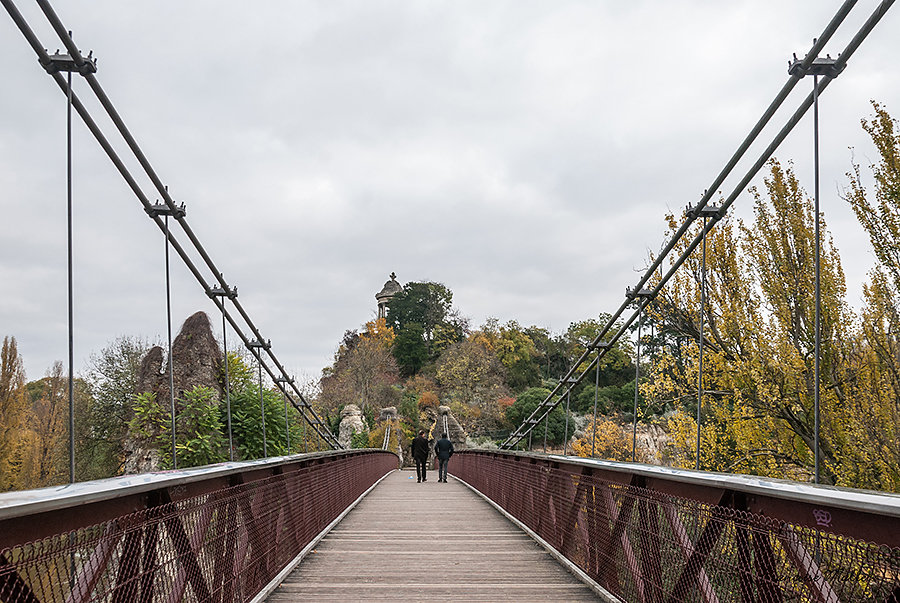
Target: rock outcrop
[(196, 359), (652, 442), (352, 421)]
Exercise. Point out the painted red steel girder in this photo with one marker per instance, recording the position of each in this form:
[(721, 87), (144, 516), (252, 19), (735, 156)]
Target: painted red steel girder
[(654, 534), (217, 533)]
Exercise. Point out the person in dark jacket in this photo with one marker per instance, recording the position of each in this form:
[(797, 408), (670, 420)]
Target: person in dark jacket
[(420, 454), (443, 448)]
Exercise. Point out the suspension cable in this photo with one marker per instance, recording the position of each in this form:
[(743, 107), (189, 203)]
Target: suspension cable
[(303, 407)]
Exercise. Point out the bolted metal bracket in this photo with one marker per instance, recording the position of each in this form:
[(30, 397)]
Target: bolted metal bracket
[(820, 66), (635, 293), (230, 293), (707, 211), (259, 344), (57, 62), (161, 209), (284, 379)]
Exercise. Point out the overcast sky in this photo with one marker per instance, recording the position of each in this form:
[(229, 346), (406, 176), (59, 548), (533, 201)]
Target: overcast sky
[(522, 153)]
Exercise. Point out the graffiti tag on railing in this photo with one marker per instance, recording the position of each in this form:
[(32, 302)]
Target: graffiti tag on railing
[(823, 517)]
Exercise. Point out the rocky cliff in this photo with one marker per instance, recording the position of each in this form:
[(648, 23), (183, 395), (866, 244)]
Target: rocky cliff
[(196, 359)]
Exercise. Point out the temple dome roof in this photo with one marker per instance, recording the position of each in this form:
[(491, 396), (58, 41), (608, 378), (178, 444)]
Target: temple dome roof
[(390, 289)]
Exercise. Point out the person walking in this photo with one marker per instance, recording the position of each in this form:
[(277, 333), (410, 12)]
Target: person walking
[(420, 454), (443, 448)]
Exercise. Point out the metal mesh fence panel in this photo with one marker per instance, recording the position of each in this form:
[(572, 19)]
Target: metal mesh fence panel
[(644, 545), (224, 545)]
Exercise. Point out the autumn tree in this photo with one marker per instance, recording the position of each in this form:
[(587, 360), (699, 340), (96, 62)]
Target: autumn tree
[(781, 250), (363, 373), (370, 372), (13, 411), (48, 429), (880, 217), (609, 441), (875, 390), (472, 380), (515, 350), (759, 339)]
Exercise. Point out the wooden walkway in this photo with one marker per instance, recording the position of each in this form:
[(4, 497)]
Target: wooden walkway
[(407, 541)]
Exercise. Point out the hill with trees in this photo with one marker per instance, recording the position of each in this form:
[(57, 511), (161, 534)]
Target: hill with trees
[(756, 415)]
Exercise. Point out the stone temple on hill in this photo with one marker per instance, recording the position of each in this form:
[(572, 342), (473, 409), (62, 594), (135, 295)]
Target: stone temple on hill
[(387, 293)]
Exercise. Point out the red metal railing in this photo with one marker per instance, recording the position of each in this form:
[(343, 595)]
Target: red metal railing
[(218, 533), (652, 534)]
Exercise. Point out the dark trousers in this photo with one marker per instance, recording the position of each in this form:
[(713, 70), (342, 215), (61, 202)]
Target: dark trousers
[(442, 469), (421, 466)]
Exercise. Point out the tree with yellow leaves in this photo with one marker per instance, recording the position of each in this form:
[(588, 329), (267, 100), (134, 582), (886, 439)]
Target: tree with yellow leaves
[(759, 341), (471, 378), (379, 332), (48, 429), (363, 372), (874, 390), (514, 349), (609, 441), (13, 413)]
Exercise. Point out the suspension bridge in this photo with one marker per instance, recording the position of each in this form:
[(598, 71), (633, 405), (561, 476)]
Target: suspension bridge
[(510, 525)]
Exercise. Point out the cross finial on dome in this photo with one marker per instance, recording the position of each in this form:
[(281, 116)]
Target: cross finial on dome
[(393, 276)]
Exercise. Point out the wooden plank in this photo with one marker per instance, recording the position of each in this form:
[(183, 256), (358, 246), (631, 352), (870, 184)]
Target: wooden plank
[(428, 541)]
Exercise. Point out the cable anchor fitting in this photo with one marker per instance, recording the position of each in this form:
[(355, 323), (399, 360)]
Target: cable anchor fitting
[(634, 293), (255, 344), (600, 345), (57, 62), (713, 212), (229, 292), (162, 209), (826, 66)]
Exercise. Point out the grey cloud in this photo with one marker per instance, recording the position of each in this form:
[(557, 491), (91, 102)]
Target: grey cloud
[(523, 153)]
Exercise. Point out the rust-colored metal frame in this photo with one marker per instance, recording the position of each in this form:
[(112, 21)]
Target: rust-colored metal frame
[(658, 535), (217, 533)]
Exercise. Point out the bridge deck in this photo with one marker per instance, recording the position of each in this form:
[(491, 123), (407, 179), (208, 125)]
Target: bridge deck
[(428, 542)]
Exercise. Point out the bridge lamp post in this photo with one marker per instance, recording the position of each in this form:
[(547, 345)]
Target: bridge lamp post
[(282, 383), (54, 64), (220, 292), (177, 212), (255, 347), (641, 297), (819, 67), (706, 212)]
